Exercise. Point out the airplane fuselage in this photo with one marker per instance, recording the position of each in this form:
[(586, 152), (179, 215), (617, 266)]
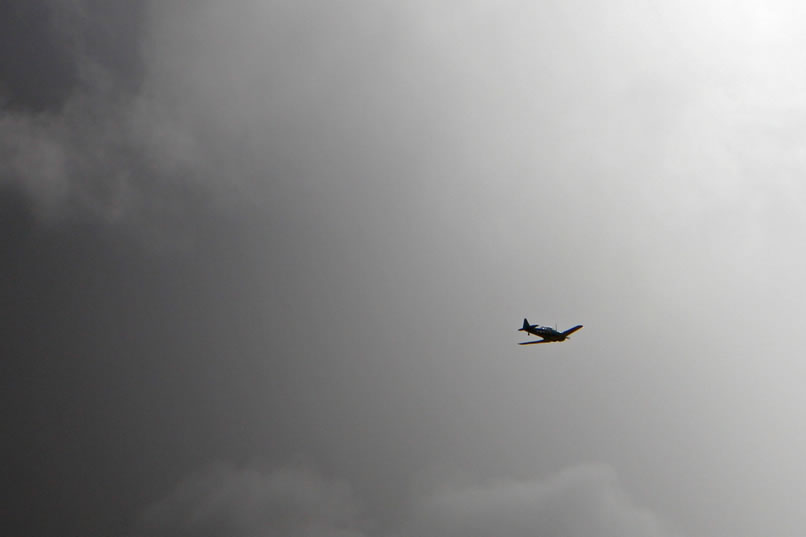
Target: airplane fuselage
[(547, 333)]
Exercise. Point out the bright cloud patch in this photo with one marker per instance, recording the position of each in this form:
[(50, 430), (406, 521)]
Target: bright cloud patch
[(578, 502)]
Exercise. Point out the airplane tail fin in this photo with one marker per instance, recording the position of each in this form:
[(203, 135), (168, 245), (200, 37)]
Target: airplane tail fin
[(526, 326)]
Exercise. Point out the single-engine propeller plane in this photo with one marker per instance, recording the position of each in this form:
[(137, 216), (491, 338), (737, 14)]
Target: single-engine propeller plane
[(549, 334)]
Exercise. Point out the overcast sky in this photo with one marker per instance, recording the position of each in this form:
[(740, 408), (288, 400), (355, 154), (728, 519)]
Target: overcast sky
[(263, 263)]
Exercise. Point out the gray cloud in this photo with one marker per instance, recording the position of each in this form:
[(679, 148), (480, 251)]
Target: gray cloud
[(249, 502), (105, 154), (53, 43), (259, 101), (582, 501)]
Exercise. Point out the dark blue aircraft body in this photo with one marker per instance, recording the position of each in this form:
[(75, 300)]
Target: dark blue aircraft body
[(549, 334)]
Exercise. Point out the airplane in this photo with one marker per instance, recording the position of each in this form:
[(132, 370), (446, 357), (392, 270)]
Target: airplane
[(549, 335)]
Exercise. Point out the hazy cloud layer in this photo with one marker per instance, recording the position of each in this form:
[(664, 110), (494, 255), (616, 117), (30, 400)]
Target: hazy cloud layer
[(582, 501), (227, 501), (264, 99), (52, 45), (578, 501), (105, 155)]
